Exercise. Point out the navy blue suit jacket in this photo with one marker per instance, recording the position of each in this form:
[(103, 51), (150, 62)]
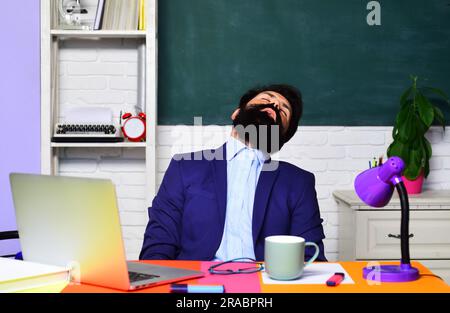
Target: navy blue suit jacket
[(187, 216)]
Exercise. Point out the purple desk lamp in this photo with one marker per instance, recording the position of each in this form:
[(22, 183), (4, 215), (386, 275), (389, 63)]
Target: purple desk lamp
[(375, 188)]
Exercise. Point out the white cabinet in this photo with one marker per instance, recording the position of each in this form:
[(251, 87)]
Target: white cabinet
[(367, 233)]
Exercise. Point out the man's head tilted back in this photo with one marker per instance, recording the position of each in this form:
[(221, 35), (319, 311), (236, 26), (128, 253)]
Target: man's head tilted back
[(277, 108)]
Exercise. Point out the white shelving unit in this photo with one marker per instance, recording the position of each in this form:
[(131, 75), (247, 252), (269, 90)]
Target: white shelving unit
[(51, 38)]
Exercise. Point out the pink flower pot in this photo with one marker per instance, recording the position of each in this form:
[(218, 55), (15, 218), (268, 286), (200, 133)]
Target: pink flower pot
[(414, 186)]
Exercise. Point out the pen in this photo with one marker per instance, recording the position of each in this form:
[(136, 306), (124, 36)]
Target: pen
[(336, 279), (184, 288)]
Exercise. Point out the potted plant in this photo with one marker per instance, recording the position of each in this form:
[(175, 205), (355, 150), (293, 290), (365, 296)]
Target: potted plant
[(417, 113)]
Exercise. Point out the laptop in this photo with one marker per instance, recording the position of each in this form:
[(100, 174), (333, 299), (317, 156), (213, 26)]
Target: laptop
[(74, 222)]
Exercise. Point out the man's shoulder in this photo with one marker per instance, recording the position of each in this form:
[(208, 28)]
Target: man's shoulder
[(294, 171), (201, 155)]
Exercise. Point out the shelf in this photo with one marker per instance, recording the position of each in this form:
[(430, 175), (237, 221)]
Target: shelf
[(98, 145), (98, 33), (52, 39)]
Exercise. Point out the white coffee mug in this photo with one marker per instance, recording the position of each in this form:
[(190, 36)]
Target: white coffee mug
[(284, 256)]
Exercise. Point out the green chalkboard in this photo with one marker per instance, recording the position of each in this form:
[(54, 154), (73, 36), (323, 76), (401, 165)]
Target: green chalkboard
[(350, 73)]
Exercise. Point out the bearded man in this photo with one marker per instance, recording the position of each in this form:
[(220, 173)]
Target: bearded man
[(223, 207)]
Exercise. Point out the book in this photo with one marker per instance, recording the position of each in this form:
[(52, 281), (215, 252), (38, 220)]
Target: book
[(144, 17), (107, 15), (141, 15), (118, 13), (128, 15), (88, 19), (134, 16), (16, 275), (99, 14), (121, 15)]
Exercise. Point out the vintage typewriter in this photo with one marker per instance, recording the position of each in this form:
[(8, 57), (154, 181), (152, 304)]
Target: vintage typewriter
[(86, 133), (88, 125)]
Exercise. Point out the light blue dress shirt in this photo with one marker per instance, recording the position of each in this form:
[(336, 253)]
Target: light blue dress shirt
[(243, 169)]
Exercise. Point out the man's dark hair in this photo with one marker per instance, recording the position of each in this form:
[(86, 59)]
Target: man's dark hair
[(293, 96)]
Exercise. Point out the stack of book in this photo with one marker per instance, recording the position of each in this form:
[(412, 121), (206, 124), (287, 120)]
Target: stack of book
[(18, 275), (120, 15)]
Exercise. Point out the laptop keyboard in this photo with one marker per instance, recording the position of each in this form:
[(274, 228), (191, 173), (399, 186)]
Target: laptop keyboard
[(134, 276)]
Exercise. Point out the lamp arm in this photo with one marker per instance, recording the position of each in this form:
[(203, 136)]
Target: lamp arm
[(404, 228)]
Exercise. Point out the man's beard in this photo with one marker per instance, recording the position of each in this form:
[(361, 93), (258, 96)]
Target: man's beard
[(258, 128)]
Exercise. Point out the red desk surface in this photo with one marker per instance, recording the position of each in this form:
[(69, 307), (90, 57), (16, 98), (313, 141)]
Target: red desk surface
[(252, 283)]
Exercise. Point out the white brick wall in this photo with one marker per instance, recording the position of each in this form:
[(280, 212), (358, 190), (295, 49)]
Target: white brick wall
[(105, 74), (100, 74)]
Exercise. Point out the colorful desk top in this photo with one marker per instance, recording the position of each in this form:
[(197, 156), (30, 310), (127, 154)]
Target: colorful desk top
[(252, 283)]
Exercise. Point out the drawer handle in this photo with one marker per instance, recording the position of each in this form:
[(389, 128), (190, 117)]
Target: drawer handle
[(398, 236)]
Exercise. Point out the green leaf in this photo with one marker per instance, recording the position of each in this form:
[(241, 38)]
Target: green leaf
[(405, 95), (398, 148), (394, 132), (412, 171), (399, 120), (407, 129), (415, 163), (426, 169), (418, 153), (421, 127), (427, 146), (437, 92), (428, 152), (425, 109), (402, 115)]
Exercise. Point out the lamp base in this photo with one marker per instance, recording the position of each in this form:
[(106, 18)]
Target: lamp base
[(391, 273)]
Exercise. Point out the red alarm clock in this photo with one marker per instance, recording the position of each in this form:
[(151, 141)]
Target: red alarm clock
[(133, 127)]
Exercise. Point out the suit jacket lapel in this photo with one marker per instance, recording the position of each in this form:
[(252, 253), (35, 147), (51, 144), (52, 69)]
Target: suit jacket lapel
[(262, 194), (220, 181)]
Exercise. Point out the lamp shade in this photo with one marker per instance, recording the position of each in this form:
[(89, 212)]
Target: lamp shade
[(375, 186)]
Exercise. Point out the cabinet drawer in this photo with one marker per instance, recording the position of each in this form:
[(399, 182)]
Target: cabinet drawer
[(431, 231)]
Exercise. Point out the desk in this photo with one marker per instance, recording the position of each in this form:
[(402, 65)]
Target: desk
[(252, 283)]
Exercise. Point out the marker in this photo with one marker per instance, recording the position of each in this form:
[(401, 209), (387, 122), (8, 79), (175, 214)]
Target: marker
[(184, 288), (335, 280)]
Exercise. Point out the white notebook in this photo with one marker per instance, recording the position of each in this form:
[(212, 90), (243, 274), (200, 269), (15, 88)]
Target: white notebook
[(18, 275), (314, 274)]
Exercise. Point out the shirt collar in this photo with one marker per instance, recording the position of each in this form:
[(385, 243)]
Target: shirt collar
[(235, 146)]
